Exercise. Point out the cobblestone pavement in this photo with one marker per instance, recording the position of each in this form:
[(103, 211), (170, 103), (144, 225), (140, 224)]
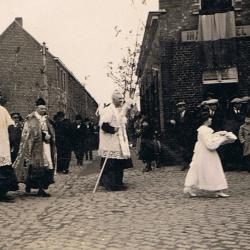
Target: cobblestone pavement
[(151, 214)]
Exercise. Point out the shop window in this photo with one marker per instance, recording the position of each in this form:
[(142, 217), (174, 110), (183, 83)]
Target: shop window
[(229, 75)]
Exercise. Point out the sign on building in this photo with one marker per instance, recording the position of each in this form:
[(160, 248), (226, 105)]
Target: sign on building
[(192, 35)]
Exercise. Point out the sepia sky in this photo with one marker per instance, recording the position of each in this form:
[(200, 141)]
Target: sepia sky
[(82, 33)]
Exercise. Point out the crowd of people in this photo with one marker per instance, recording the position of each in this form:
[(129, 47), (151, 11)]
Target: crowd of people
[(212, 138), (182, 133), (32, 150)]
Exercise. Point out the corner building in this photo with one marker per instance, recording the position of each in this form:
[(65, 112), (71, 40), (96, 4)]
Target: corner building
[(192, 49)]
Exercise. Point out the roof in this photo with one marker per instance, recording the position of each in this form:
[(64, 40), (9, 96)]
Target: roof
[(16, 23)]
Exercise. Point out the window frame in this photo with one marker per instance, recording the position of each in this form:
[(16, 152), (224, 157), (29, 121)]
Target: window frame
[(220, 79)]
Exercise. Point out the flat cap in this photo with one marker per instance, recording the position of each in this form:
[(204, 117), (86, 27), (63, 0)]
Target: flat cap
[(210, 102), (182, 103), (245, 99), (236, 100)]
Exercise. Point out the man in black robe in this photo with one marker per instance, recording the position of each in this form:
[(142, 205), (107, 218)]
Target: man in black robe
[(63, 131)]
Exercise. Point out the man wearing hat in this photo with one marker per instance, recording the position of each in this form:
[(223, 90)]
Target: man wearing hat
[(113, 145), (183, 128), (15, 132), (63, 133), (245, 101), (79, 131), (89, 139), (8, 181), (35, 163), (216, 115), (234, 119)]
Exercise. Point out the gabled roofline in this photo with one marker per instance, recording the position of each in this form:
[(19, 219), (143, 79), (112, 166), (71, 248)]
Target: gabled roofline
[(48, 52)]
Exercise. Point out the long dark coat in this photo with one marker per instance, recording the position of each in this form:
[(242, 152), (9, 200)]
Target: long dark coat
[(244, 137)]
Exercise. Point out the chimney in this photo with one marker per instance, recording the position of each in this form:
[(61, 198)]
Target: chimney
[(19, 20)]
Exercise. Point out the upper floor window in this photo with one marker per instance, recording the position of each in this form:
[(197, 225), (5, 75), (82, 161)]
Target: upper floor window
[(61, 78), (229, 75)]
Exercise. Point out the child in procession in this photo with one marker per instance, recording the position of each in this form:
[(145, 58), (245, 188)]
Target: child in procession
[(206, 172)]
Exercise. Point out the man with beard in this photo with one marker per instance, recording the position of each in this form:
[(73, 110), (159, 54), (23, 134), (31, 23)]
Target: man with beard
[(35, 163)]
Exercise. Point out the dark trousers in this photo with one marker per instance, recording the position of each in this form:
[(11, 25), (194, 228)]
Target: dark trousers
[(79, 153), (89, 154), (63, 159)]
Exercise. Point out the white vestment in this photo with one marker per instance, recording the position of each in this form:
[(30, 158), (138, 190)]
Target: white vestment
[(114, 145), (5, 122), (46, 146)]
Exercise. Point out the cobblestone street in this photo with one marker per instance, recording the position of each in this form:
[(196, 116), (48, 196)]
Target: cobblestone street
[(151, 214)]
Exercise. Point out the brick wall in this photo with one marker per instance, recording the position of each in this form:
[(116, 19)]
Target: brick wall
[(21, 77)]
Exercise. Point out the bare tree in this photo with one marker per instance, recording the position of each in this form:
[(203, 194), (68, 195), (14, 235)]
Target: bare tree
[(123, 74)]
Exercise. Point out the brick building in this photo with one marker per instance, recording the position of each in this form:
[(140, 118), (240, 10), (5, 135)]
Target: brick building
[(173, 63), (29, 70)]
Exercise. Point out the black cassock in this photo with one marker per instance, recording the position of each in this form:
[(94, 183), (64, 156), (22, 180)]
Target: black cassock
[(112, 177)]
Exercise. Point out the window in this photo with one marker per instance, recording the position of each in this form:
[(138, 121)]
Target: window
[(229, 75), (57, 75), (63, 80)]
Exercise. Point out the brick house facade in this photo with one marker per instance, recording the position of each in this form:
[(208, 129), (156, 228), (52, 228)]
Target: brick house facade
[(29, 70), (170, 68)]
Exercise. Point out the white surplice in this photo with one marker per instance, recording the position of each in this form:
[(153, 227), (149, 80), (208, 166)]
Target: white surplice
[(5, 122), (114, 145)]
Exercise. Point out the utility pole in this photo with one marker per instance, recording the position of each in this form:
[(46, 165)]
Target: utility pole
[(44, 93)]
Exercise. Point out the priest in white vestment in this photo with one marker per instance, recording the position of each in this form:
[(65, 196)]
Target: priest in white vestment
[(114, 144)]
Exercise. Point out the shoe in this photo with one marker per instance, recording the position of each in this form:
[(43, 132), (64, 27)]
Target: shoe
[(191, 194), (147, 169), (188, 191), (221, 195), (65, 171), (42, 193)]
